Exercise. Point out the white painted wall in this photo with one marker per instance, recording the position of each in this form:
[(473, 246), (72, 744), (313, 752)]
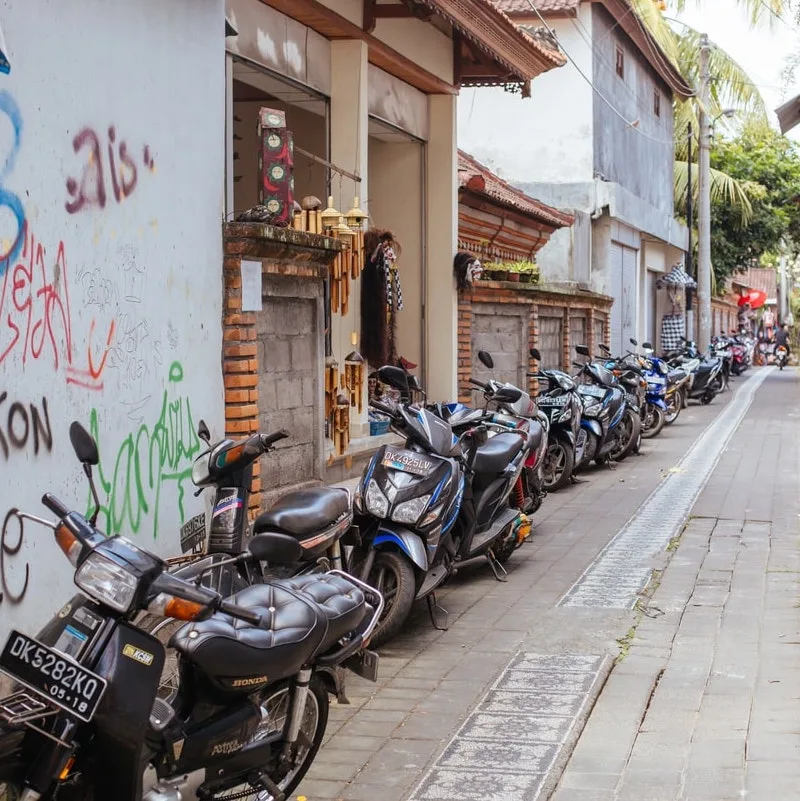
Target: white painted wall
[(111, 299), (545, 138)]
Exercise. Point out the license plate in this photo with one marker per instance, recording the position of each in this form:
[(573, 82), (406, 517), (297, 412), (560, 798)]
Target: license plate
[(407, 462), (193, 533), (555, 400), (364, 664), (52, 675), (632, 399), (656, 379), (590, 389)]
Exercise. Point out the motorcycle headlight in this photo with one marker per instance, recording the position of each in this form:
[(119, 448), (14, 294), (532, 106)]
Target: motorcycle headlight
[(411, 511), (107, 582), (566, 414), (377, 502)]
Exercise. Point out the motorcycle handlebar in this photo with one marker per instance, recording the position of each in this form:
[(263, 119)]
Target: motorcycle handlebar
[(54, 505), (239, 612), (480, 384), (267, 440), (382, 407)]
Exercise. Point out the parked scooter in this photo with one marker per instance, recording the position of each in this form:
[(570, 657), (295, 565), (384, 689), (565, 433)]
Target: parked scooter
[(604, 409), (629, 373), (425, 508), (317, 518), (706, 372), (252, 707), (678, 382), (566, 441)]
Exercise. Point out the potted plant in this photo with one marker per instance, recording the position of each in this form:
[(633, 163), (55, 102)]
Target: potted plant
[(497, 271), (528, 272)]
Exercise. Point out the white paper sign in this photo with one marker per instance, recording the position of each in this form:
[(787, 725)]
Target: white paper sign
[(251, 286)]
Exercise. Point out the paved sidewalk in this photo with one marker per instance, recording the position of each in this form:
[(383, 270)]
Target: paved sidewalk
[(504, 638), (705, 702)]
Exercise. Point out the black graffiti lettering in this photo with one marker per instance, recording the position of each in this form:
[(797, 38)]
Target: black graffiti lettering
[(10, 547), (42, 431), (16, 412), (26, 424)]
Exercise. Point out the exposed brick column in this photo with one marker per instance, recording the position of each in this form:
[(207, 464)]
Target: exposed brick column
[(240, 367), (464, 347)]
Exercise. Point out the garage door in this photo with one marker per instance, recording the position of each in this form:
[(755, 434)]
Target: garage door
[(623, 289)]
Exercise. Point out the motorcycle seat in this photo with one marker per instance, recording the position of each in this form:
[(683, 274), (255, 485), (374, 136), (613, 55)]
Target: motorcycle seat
[(304, 512), (494, 455), (676, 375), (300, 618)]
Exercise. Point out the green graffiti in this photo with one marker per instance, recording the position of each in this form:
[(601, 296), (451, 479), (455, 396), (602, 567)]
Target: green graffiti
[(149, 463)]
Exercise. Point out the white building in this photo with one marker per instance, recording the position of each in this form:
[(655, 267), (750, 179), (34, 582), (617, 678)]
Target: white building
[(598, 143)]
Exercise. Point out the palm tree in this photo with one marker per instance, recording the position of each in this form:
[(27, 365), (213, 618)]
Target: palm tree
[(732, 88)]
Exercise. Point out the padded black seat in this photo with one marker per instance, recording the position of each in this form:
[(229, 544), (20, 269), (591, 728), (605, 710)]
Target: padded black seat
[(494, 455), (304, 512), (298, 621), (676, 375)]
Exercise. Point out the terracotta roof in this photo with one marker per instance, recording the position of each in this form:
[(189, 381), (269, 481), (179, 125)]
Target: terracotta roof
[(523, 7), (763, 278), (473, 176), (488, 27), (789, 114)]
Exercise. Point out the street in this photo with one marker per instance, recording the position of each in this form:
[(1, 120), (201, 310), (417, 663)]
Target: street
[(572, 680)]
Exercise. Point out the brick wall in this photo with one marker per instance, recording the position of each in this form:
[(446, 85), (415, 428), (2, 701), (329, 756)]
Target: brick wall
[(271, 357), (530, 304)]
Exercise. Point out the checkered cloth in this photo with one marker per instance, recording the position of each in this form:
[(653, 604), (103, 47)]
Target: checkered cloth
[(673, 327)]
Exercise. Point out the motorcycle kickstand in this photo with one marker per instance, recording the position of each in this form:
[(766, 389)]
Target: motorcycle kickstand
[(433, 608), (500, 573)]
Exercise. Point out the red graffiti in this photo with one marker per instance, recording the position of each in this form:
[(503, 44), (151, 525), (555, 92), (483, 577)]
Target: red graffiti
[(91, 190), (36, 319)]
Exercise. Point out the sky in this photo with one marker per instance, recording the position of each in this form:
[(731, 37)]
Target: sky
[(762, 51)]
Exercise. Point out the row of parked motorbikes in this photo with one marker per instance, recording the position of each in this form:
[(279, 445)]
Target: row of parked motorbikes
[(208, 676)]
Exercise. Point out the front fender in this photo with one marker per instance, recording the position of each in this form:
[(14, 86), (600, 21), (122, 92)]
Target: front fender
[(660, 403), (408, 542), (593, 426)]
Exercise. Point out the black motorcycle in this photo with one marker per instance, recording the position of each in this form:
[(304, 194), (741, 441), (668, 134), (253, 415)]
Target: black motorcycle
[(85, 721), (317, 518), (424, 509), (566, 441)]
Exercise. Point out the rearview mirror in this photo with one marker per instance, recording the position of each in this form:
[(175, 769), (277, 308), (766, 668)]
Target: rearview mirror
[(395, 377), (203, 432), (582, 350), (535, 354), (83, 444), (634, 343), (604, 347), (486, 359)]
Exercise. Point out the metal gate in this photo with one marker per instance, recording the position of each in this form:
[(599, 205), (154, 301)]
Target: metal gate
[(623, 289)]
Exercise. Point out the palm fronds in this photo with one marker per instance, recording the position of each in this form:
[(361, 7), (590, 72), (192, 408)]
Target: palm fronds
[(724, 189)]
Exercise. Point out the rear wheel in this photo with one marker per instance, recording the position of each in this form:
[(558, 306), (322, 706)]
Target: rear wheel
[(559, 461), (674, 407), (653, 422), (393, 576), (275, 712)]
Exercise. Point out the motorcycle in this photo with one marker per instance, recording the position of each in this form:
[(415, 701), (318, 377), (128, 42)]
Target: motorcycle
[(706, 372), (629, 373), (85, 721), (604, 409), (521, 415), (678, 382), (566, 440), (424, 509), (656, 374), (317, 518), (781, 356)]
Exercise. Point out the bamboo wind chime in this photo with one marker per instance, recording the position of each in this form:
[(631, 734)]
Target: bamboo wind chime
[(349, 229)]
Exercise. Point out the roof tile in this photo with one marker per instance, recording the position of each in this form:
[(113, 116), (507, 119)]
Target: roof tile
[(517, 7), (496, 188)]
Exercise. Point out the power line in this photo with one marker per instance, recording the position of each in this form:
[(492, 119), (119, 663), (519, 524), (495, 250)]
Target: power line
[(778, 17)]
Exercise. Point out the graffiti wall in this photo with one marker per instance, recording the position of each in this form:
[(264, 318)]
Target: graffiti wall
[(111, 165)]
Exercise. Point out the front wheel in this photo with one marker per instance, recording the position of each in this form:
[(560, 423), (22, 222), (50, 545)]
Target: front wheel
[(654, 421), (627, 435), (393, 576), (559, 462), (674, 407)]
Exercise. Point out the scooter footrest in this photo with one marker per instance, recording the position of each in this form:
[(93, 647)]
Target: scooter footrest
[(22, 707)]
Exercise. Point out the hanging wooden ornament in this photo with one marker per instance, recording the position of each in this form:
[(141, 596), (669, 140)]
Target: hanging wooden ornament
[(330, 217), (341, 424), (342, 267), (355, 220), (311, 205), (331, 388), (354, 378)]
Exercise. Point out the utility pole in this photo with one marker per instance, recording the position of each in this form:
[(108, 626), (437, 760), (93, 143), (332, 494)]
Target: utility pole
[(690, 253), (704, 205)]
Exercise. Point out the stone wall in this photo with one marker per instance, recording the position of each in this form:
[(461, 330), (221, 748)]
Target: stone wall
[(273, 358), (507, 319)]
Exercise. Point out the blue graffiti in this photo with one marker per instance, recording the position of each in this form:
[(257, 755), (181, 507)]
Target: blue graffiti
[(8, 200)]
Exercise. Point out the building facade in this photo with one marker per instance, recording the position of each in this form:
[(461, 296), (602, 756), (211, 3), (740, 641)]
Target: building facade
[(596, 138)]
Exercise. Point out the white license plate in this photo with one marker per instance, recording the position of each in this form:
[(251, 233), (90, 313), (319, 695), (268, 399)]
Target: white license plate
[(590, 389), (52, 675), (656, 379), (408, 462), (555, 400)]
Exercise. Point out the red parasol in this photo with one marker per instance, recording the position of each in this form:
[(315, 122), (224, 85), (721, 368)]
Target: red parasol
[(755, 297)]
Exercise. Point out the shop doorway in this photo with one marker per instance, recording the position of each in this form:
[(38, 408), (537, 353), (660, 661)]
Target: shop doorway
[(396, 171)]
